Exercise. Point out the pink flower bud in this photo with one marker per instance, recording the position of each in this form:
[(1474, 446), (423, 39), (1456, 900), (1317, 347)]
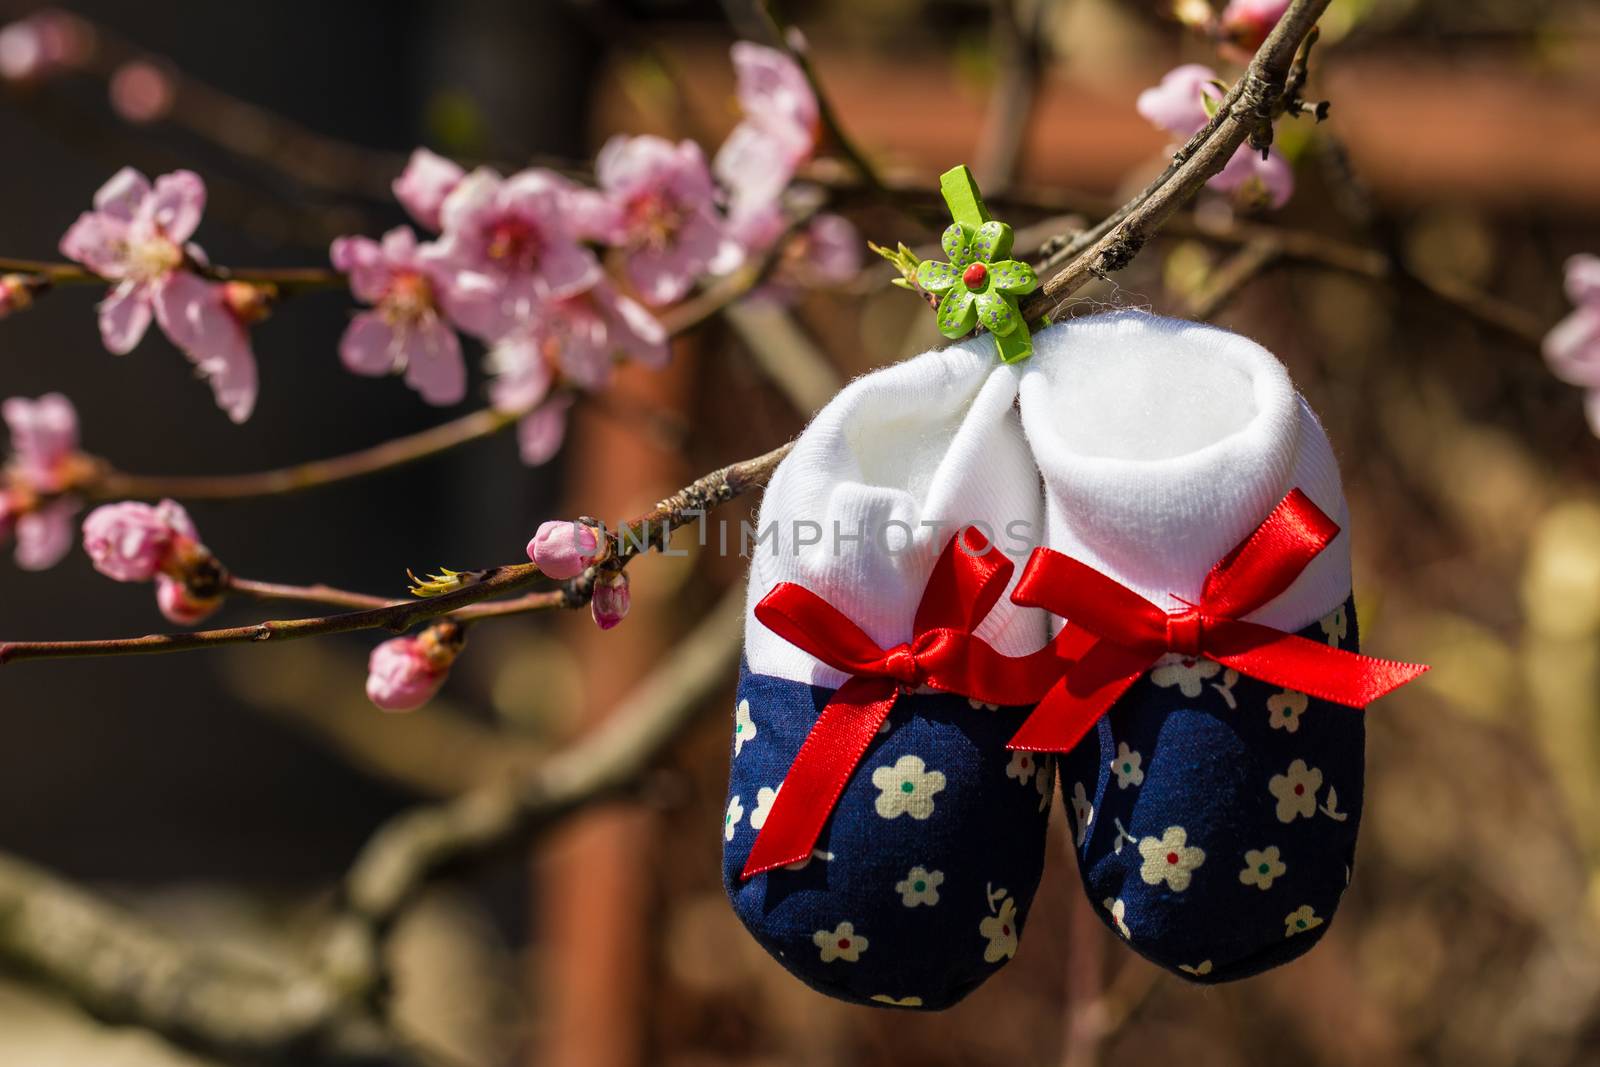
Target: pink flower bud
[(132, 542), (1246, 23), (16, 293), (564, 549), (181, 606), (611, 599), (248, 303), (404, 673)]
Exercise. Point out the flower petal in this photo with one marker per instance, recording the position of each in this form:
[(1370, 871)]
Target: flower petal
[(178, 201), (661, 277), (567, 268), (992, 242), (120, 197), (1014, 277), (936, 277), (98, 241), (633, 329), (1572, 348), (1583, 279), (522, 376), (124, 317), (368, 346), (956, 313), (44, 536), (955, 243), (193, 316), (996, 314), (425, 183), (539, 434), (1177, 105), (434, 367)]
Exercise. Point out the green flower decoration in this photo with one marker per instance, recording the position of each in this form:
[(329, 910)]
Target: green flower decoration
[(980, 283)]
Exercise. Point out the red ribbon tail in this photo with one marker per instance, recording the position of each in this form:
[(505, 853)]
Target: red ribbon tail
[(1075, 703), (1307, 666), (821, 770)]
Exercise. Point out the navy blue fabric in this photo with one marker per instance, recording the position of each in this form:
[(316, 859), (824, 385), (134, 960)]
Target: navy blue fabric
[(1224, 818), (934, 883)]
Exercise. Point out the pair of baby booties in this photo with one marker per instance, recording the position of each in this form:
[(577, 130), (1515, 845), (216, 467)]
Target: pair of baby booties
[(1214, 815)]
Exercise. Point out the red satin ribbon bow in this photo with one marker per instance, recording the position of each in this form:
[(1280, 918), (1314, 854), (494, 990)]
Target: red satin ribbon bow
[(966, 582), (1114, 635)]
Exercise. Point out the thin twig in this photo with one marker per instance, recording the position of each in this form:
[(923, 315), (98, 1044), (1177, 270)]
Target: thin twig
[(1226, 282), (284, 279), (305, 594), (650, 530), (1245, 114), (485, 422)]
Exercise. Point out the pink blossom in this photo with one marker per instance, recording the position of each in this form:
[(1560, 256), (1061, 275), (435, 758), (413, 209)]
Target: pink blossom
[(44, 438), (132, 541), (589, 212), (1255, 179), (826, 254), (1178, 105), (611, 599), (405, 332), (200, 318), (667, 220), (423, 186), (573, 340), (44, 455), (564, 549), (1572, 347), (179, 604), (404, 673), (774, 93), (512, 235), (832, 251), (590, 330), (778, 133), (1583, 280), (136, 238)]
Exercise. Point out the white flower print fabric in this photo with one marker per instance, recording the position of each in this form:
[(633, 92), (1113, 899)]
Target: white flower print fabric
[(1238, 807), (938, 815), (938, 812)]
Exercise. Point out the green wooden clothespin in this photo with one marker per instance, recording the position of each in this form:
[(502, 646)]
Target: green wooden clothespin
[(980, 283)]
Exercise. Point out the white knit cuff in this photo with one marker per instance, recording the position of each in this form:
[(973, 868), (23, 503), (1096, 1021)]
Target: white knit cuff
[(875, 488), (1163, 444)]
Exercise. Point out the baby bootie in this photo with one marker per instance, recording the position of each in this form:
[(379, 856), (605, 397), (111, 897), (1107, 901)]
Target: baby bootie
[(881, 841), (1197, 553)]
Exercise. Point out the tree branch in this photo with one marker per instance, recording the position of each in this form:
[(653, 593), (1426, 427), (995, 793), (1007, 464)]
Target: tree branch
[(650, 530), (119, 969)]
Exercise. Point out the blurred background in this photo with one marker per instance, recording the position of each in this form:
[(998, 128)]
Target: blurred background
[(223, 794)]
